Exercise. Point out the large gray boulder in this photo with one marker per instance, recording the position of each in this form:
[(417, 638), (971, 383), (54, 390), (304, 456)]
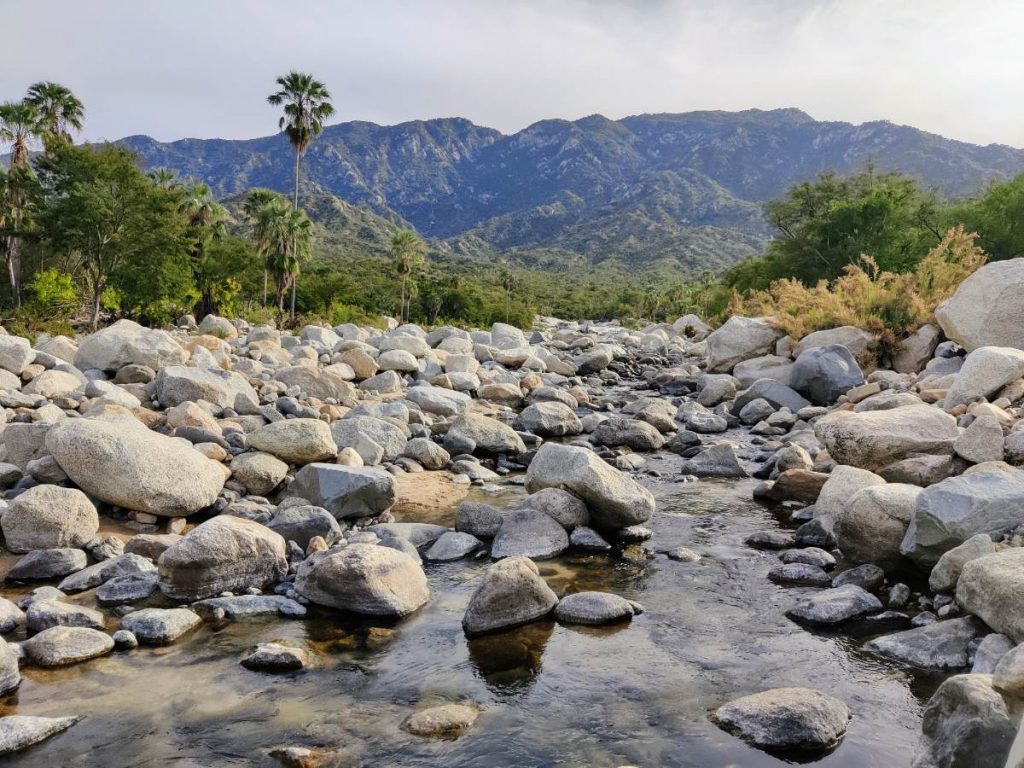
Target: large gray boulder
[(345, 491), (875, 439), (511, 593), (987, 307), (946, 572), (856, 340), (320, 383), (296, 441), (49, 517), (549, 419), (19, 732), (966, 724), (259, 472), (224, 554), (992, 588), (874, 521), (62, 646), (594, 608), (15, 354), (739, 339), (786, 719), (529, 533), (128, 343), (364, 578), (10, 676), (128, 465), (936, 646), (352, 430), (834, 606), (984, 372), (632, 433), (614, 499), (822, 374), (986, 499), (160, 626), (176, 384), (437, 400), (489, 435), (773, 392), (916, 350), (302, 523)]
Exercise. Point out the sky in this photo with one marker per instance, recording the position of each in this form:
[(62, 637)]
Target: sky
[(203, 68)]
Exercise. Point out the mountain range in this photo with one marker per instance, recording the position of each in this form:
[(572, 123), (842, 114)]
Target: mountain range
[(684, 188)]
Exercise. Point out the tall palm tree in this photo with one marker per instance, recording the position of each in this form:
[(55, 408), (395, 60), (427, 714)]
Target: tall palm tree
[(407, 251), (20, 126), (258, 210), (509, 281), (207, 220), (306, 106), (164, 178), (59, 109)]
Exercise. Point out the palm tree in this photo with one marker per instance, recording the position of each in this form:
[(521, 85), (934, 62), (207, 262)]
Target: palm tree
[(20, 126), (164, 178), (258, 210), (207, 220), (306, 106), (287, 236), (407, 251), (59, 109), (509, 281)]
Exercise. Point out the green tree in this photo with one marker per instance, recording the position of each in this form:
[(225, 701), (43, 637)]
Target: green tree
[(207, 223), (510, 282), (59, 109), (20, 126), (258, 211), (119, 229), (306, 106), (407, 251), (289, 239), (997, 217)]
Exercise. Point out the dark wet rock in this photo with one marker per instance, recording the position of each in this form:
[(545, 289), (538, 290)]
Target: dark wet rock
[(770, 540), (798, 485), (101, 572), (345, 491), (786, 719), (275, 657), (586, 538), (800, 574), (810, 556), (19, 732), (47, 564), (942, 645), (867, 576), (822, 374), (593, 608), (528, 533), (633, 534), (717, 461), (817, 532), (511, 593), (125, 590), (966, 724), (834, 606), (777, 394), (62, 646), (478, 519), (452, 545), (160, 626)]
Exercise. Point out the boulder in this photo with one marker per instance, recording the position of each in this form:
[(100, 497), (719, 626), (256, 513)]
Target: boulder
[(320, 383), (528, 533), (439, 401), (160, 626), (10, 676), (990, 651), (716, 461), (49, 517), (260, 473), (1008, 672), (351, 430), (773, 367), (62, 646), (984, 372), (739, 339), (47, 564), (345, 491), (426, 453), (128, 343), (549, 419), (982, 441), (561, 506), (452, 545), (15, 354), (834, 606), (511, 593), (987, 499), (615, 500), (304, 522), (52, 383), (128, 465), (986, 308), (489, 435), (786, 719), (992, 588), (946, 572), (776, 394), (856, 340), (478, 519), (224, 554), (633, 433), (936, 646), (443, 721), (275, 657), (365, 579), (822, 374), (593, 608), (875, 439), (916, 350), (296, 441), (177, 384), (19, 732), (873, 522)]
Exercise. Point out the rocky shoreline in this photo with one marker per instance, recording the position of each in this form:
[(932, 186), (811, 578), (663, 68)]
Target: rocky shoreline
[(256, 472)]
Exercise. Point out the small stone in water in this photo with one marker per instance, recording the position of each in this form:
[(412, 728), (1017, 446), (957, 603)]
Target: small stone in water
[(275, 657), (445, 721)]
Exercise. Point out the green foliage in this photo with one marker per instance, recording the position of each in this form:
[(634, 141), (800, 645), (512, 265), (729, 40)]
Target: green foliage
[(53, 290), (997, 217)]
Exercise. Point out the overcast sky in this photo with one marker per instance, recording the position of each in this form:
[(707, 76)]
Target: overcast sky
[(203, 68)]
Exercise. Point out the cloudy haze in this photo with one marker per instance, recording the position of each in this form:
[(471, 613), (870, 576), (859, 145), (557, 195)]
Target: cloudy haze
[(203, 67)]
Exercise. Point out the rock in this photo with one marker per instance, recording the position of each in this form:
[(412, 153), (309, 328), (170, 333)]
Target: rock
[(160, 626), (778, 395), (47, 564), (260, 473), (350, 431), (561, 506), (614, 499), (364, 579), (177, 384), (916, 350), (296, 441), (62, 646), (992, 588), (43, 614), (984, 372), (942, 645), (716, 461), (528, 533), (834, 606), (549, 419), (767, 367), (452, 545), (478, 519), (275, 657), (990, 651), (132, 467), (809, 556), (873, 522), (445, 721), (982, 441), (987, 499), (511, 593), (94, 575), (635, 434), (770, 540), (854, 339), (439, 401), (321, 383), (986, 308), (426, 453), (946, 572), (125, 590), (874, 439), (11, 617), (965, 725), (19, 732), (586, 538), (244, 606), (345, 491), (302, 523), (489, 435), (128, 343), (419, 534), (49, 517), (800, 574), (739, 339), (786, 719), (798, 485), (15, 354), (10, 675), (224, 554), (51, 384), (822, 374), (593, 608), (1008, 674), (866, 576)]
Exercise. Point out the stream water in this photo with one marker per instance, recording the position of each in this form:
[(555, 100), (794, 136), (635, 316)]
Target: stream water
[(636, 694)]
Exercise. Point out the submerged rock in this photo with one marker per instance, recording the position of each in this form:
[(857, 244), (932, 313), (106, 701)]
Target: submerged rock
[(446, 720), (18, 732), (275, 657)]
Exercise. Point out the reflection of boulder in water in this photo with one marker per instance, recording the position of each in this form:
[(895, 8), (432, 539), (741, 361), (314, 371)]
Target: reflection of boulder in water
[(513, 657)]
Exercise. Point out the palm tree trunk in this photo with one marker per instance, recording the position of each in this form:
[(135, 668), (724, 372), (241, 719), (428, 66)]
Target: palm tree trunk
[(14, 268), (295, 279), (295, 198), (401, 304), (264, 287)]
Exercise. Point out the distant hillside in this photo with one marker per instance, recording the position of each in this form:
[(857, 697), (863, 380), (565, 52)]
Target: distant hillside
[(686, 187)]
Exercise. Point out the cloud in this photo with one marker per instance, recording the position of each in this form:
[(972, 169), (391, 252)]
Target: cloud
[(199, 68)]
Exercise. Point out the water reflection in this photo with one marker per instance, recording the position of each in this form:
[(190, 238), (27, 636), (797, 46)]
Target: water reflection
[(510, 661)]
